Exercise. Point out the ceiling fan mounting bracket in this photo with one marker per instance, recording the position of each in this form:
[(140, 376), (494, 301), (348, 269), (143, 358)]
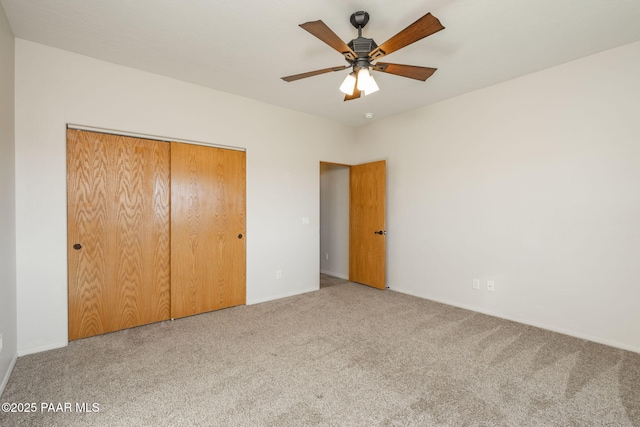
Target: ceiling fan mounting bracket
[(359, 19), (349, 56)]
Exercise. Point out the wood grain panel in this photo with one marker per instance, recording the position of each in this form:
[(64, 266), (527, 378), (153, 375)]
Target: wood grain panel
[(312, 73), (410, 71), (208, 267), (118, 210), (420, 29), (326, 34), (88, 212), (367, 250)]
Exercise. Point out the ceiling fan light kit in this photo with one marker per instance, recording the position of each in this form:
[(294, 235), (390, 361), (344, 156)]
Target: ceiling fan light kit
[(349, 84), (366, 83), (361, 52)]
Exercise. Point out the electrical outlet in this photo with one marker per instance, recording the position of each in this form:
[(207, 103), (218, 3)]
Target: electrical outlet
[(326, 256), (1, 343), (476, 284), (279, 274), (491, 285)]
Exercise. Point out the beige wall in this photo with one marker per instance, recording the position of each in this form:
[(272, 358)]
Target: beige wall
[(284, 149), (534, 184), (8, 327), (531, 183)]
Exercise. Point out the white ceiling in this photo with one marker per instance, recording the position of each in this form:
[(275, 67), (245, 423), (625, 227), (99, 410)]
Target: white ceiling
[(245, 46)]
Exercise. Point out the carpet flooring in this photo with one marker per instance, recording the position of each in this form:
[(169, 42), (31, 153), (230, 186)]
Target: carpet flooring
[(346, 355)]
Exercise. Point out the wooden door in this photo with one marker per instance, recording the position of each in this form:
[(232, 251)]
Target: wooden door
[(207, 229), (118, 232), (367, 229)]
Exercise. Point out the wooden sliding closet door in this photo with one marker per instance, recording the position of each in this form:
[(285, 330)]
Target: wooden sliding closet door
[(207, 229), (118, 232)]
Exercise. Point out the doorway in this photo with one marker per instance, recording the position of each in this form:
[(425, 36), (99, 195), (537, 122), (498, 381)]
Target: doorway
[(334, 223), (353, 223)]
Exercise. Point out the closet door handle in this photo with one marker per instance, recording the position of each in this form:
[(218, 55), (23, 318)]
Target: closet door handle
[(77, 246), (240, 236)]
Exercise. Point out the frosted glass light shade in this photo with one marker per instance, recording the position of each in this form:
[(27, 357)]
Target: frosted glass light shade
[(372, 87), (348, 85), (366, 83)]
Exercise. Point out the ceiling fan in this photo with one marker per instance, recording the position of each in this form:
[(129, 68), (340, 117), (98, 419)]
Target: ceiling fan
[(361, 52)]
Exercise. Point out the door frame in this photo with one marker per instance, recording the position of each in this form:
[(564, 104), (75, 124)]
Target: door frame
[(348, 215), (119, 132)]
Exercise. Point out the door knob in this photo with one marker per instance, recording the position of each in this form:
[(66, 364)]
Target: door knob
[(240, 236), (77, 246), (381, 232)]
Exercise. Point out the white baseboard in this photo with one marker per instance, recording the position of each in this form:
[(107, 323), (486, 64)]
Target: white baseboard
[(587, 337), (39, 349), (5, 380), (253, 301), (334, 274)]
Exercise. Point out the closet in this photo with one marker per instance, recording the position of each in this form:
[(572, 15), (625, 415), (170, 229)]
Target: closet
[(155, 231)]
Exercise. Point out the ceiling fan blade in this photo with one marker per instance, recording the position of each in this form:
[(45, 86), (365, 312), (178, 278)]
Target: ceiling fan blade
[(356, 95), (411, 71), (313, 73), (420, 29), (324, 33)]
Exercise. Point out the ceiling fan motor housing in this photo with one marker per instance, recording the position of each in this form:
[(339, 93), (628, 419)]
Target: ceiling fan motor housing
[(362, 46)]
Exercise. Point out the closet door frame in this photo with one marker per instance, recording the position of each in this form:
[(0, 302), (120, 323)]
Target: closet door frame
[(93, 307)]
